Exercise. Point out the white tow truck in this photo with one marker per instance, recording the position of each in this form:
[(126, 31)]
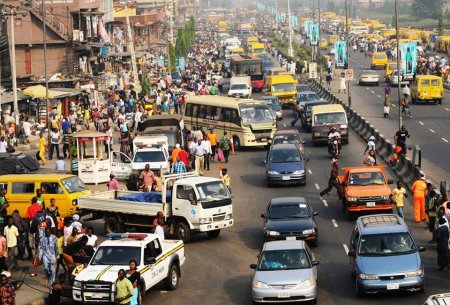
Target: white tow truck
[(157, 261), (190, 203)]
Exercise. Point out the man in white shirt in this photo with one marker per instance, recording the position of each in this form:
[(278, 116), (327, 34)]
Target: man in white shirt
[(3, 145), (27, 130), (199, 153), (60, 164), (159, 230), (208, 151), (92, 238)]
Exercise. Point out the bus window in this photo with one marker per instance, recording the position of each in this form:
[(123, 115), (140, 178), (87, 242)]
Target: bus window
[(202, 113), (219, 114), (226, 115), (188, 111), (194, 111), (209, 112), (235, 117)]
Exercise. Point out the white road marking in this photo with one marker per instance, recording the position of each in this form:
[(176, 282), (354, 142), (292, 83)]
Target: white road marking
[(394, 105), (372, 91), (367, 88), (317, 186), (378, 95), (334, 223), (431, 130), (445, 140), (421, 123), (325, 203), (284, 125), (446, 109), (345, 248), (309, 172)]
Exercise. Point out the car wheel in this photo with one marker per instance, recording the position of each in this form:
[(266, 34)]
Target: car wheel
[(183, 232), (349, 215), (377, 84), (360, 83), (314, 243), (269, 183), (440, 102), (113, 225), (314, 301), (171, 281), (358, 291), (413, 100)]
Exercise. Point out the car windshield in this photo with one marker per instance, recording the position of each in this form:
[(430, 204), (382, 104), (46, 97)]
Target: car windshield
[(238, 87), (330, 118), (149, 156), (368, 72), (110, 255), (284, 260), (73, 184), (259, 50), (303, 97), (286, 139), (380, 56), (386, 244), (285, 156), (256, 114), (211, 191), (291, 210), (369, 178), (283, 88)]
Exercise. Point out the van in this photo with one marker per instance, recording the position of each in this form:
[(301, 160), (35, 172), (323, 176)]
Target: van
[(240, 86), (276, 71), (258, 49), (20, 189), (323, 117), (332, 39), (379, 59), (384, 256), (390, 67), (282, 86), (323, 43), (427, 88)]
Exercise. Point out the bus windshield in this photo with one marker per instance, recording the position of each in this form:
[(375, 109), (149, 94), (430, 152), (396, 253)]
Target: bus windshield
[(330, 118), (283, 88), (256, 114)]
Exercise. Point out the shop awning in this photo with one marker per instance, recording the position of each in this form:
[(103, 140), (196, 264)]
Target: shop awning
[(7, 97), (38, 91)]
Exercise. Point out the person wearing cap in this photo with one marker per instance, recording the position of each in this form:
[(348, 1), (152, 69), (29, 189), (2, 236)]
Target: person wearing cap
[(419, 189), (113, 184), (370, 145)]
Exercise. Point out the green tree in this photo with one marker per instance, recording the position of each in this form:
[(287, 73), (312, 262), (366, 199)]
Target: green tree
[(146, 88), (426, 8), (440, 23), (172, 57), (393, 23)]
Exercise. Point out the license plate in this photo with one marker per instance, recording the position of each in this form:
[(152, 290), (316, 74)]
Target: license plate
[(283, 294), (97, 295), (392, 286), (286, 178), (264, 139), (370, 204)]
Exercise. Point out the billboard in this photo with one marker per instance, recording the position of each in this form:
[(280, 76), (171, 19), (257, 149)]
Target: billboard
[(408, 52), (314, 34), (340, 54), (306, 27)]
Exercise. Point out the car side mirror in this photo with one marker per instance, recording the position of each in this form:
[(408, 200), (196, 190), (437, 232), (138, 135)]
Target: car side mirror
[(390, 181), (351, 253), (264, 161), (344, 183), (315, 263), (150, 260), (263, 215), (315, 213), (422, 249), (253, 266)]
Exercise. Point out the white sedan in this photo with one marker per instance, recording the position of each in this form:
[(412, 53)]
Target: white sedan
[(369, 77)]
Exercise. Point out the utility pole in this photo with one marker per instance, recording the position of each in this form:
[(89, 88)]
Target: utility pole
[(349, 96), (44, 40), (12, 57), (132, 51), (399, 70), (290, 49), (318, 47)]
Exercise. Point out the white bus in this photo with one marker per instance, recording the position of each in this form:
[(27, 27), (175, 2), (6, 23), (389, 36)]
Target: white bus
[(248, 122), (359, 30)]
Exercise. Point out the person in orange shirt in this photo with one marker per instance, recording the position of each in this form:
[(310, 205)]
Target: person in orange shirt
[(419, 189), (175, 152), (213, 139)]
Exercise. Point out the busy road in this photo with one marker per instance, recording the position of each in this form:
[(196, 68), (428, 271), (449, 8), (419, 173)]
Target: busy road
[(428, 127)]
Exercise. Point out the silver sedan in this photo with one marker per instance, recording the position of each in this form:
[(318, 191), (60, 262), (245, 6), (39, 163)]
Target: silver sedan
[(286, 272), (369, 77)]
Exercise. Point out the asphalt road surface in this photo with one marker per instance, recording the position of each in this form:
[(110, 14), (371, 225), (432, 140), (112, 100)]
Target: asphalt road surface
[(429, 127), (217, 270)]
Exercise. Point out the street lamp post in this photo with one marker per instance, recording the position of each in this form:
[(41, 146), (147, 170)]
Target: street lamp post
[(290, 49), (349, 96), (400, 119)]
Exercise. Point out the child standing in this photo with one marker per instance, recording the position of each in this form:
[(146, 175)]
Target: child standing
[(225, 178)]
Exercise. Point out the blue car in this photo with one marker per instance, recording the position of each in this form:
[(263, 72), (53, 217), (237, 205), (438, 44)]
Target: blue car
[(384, 256), (285, 165)]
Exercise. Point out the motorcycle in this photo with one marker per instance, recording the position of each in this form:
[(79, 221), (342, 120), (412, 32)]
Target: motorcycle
[(334, 146)]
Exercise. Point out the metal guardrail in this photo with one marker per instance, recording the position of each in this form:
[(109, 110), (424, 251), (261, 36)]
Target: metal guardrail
[(406, 169)]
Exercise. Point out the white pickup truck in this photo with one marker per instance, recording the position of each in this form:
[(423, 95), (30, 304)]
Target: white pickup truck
[(156, 261), (190, 203)]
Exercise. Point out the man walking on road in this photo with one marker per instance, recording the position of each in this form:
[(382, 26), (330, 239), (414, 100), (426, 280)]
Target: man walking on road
[(400, 139), (334, 180), (419, 189), (398, 195)]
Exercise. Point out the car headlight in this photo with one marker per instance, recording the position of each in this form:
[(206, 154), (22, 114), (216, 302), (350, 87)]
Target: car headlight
[(205, 220), (352, 199), (300, 172), (317, 134), (414, 273), (386, 197), (272, 233), (307, 283), (307, 232), (272, 173), (74, 202), (258, 284), (368, 276), (228, 216), (77, 284)]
